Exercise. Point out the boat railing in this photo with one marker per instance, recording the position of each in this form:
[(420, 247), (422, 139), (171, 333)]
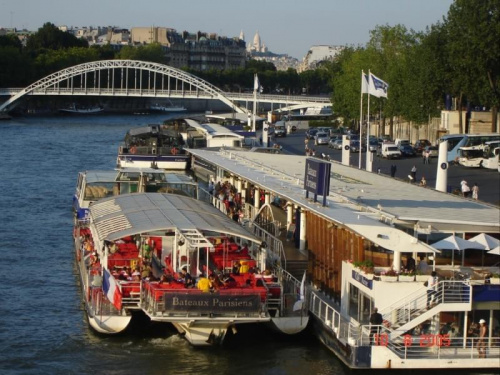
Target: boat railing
[(273, 244), (345, 330), (432, 346), (445, 292), (291, 294)]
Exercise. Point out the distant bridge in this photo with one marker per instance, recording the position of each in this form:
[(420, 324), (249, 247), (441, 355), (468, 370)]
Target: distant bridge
[(132, 78)]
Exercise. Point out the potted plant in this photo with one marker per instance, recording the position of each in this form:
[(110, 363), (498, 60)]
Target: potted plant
[(495, 279), (407, 276), (389, 275), (365, 268), (421, 277)]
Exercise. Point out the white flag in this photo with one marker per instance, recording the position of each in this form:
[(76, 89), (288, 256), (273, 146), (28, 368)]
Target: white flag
[(256, 84), (364, 83), (377, 87)]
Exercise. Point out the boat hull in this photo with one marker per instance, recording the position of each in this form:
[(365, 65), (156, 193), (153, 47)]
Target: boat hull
[(108, 324)]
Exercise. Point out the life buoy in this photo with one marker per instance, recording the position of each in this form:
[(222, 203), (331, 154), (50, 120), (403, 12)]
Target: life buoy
[(133, 150), (174, 151)]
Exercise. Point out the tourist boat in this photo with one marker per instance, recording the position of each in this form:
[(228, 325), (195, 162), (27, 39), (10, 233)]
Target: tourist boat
[(74, 109), (156, 107), (153, 146), (97, 184), (156, 235)]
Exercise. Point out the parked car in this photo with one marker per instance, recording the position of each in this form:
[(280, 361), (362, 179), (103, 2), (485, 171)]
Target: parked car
[(373, 145), (355, 146), (321, 138), (407, 150), (434, 151), (311, 132), (389, 151), (420, 145)]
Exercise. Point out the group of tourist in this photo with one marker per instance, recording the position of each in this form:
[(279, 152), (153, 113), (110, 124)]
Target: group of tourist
[(231, 198)]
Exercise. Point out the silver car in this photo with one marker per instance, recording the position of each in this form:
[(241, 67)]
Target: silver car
[(321, 138)]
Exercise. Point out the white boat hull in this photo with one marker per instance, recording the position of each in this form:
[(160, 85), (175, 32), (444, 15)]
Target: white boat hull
[(108, 324)]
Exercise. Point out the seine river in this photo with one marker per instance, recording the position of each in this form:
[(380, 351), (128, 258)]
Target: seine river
[(43, 328)]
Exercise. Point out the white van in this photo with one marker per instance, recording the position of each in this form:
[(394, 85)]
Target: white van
[(280, 129), (389, 151), (402, 141)]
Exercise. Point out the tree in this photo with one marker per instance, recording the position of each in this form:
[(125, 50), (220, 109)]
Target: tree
[(473, 33), (50, 37)]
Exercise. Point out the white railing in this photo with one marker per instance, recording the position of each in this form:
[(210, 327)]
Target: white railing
[(274, 244), (343, 328), (417, 303)]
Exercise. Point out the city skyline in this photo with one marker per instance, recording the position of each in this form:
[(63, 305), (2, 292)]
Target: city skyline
[(285, 26)]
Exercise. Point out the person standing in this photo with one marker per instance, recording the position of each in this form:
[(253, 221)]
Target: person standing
[(376, 320), (475, 192), (393, 170), (465, 189), (431, 288), (481, 343), (413, 174)]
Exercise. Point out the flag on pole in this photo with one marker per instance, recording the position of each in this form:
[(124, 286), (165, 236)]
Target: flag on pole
[(364, 83), (112, 290), (377, 87), (256, 84)]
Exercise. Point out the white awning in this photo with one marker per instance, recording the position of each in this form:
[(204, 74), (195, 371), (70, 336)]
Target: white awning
[(131, 214)]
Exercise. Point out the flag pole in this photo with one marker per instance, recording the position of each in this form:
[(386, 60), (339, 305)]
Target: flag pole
[(254, 103), (361, 114), (368, 166)]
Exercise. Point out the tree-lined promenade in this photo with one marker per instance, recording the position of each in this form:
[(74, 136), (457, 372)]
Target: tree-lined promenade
[(459, 57)]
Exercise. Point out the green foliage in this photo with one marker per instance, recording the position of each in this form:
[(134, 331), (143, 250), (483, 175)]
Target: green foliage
[(51, 38)]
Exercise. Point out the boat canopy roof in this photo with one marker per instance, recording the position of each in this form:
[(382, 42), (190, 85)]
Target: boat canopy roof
[(213, 130), (98, 176), (131, 214)]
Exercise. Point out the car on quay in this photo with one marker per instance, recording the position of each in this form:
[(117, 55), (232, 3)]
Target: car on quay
[(311, 132), (355, 146), (373, 145), (335, 143), (420, 145), (407, 150), (433, 151), (321, 138)]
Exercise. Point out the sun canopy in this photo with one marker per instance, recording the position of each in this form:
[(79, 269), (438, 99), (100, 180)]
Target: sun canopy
[(486, 240), (131, 214), (495, 251), (456, 243)]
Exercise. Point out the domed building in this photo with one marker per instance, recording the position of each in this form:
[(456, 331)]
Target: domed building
[(256, 45)]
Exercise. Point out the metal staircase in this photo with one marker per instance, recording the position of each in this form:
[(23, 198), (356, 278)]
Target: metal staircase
[(413, 309)]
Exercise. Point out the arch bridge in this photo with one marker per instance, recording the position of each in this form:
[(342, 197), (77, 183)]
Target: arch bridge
[(132, 78)]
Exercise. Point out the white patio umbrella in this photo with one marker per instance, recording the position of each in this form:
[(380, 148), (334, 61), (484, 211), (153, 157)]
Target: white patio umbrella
[(487, 241), (495, 251), (454, 242)]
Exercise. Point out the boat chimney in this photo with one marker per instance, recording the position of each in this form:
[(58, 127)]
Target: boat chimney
[(442, 168)]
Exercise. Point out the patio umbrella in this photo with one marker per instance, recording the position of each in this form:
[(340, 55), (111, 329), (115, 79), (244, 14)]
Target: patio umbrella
[(487, 241), (454, 242), (495, 251)]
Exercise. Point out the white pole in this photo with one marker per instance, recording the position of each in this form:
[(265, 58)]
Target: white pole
[(442, 167), (254, 104), (361, 120), (368, 161)]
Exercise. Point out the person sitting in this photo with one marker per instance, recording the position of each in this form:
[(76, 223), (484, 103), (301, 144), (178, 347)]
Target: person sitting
[(228, 281), (187, 278), (236, 268), (204, 284), (165, 279), (214, 282), (423, 267)]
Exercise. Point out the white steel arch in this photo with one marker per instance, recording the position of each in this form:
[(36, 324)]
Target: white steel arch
[(95, 66)]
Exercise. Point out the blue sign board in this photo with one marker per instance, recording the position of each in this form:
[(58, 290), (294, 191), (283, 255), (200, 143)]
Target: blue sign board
[(363, 280), (317, 178)]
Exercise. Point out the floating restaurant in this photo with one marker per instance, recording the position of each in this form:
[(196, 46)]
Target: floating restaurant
[(368, 243)]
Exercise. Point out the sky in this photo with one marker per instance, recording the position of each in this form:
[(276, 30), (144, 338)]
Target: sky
[(285, 26)]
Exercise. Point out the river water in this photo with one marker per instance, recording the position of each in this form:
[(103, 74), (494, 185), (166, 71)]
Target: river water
[(43, 327)]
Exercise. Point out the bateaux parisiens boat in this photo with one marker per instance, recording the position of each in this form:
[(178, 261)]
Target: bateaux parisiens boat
[(133, 250), (153, 146)]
